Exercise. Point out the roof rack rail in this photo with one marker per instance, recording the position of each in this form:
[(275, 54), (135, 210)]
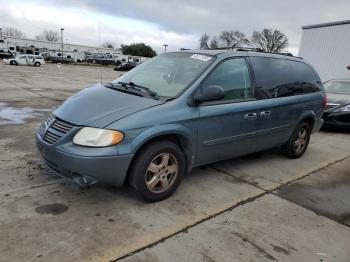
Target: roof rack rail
[(254, 49)]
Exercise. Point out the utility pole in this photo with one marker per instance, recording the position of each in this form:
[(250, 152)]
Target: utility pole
[(62, 45), (165, 46), (1, 34)]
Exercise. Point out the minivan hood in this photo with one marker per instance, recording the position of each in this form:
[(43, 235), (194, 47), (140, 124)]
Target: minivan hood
[(338, 98), (99, 106)]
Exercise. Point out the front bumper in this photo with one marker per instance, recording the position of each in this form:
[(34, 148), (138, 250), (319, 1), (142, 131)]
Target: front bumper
[(84, 170), (340, 119)]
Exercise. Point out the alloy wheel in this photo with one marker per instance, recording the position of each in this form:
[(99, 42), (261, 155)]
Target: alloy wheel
[(161, 173), (301, 140)]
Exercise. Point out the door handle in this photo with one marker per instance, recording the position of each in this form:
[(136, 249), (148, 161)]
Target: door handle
[(251, 116), (265, 114)]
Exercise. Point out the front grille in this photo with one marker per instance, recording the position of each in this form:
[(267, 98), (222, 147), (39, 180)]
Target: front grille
[(53, 129)]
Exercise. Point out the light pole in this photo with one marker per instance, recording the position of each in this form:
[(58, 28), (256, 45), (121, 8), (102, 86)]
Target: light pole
[(1, 34), (165, 46), (62, 45)]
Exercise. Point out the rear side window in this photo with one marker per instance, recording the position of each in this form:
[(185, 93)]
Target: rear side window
[(233, 76), (282, 77), (39, 57)]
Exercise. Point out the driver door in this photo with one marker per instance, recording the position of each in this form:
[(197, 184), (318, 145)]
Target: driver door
[(30, 60), (22, 60), (228, 127)]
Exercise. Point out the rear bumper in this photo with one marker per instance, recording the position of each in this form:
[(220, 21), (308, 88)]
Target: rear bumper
[(83, 170)]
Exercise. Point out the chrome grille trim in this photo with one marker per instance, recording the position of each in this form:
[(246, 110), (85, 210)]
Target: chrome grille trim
[(53, 129)]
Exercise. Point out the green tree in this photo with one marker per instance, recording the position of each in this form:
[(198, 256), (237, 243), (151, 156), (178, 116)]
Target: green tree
[(269, 40), (48, 35), (232, 39), (11, 31), (203, 42), (214, 44), (138, 49)]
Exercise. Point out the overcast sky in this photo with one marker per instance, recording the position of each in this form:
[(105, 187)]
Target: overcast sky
[(178, 23)]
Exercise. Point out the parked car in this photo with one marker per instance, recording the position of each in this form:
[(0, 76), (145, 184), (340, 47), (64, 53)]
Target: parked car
[(32, 60), (338, 106), (125, 66), (151, 126)]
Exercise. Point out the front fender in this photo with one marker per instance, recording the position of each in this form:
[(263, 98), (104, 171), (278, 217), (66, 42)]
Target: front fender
[(147, 134)]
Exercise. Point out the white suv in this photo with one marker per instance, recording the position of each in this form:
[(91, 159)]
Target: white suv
[(32, 60)]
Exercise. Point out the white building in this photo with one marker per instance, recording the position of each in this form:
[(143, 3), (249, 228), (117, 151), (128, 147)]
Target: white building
[(33, 46), (327, 47), (17, 44)]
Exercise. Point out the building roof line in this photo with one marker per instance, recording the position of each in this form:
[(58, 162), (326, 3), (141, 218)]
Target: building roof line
[(344, 22)]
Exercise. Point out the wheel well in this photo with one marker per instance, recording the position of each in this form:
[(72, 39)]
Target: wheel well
[(310, 120), (183, 142)]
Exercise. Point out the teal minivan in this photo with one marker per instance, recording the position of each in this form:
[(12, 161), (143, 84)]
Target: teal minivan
[(151, 126)]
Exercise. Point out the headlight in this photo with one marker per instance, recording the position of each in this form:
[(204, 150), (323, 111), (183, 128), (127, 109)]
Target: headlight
[(97, 137), (345, 108)]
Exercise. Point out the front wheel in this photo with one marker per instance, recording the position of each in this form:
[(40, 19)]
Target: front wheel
[(157, 170), (298, 142), (37, 64), (13, 62)]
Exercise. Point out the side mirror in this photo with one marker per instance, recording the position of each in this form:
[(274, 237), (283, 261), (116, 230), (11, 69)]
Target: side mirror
[(209, 93)]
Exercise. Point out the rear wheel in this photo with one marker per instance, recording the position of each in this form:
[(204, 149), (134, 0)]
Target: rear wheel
[(13, 62), (298, 142), (37, 64), (157, 170)]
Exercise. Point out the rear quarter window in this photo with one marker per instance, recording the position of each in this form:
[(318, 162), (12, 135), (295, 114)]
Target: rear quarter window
[(275, 77)]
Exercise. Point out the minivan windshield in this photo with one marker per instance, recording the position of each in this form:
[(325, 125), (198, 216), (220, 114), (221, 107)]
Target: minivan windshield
[(337, 87), (168, 74)]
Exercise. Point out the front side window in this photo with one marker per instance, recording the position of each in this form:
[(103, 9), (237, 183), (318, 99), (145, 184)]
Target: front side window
[(23, 57), (233, 76), (168, 74)]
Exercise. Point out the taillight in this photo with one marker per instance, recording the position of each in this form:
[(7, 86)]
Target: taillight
[(324, 103)]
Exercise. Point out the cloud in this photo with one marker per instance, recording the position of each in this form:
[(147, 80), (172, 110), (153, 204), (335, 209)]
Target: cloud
[(179, 23)]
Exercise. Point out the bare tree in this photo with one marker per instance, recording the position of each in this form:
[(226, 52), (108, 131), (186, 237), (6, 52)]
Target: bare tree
[(108, 44), (11, 31), (214, 42), (269, 40), (232, 39), (48, 35), (203, 42)]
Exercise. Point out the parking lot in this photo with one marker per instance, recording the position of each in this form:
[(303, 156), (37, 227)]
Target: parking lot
[(260, 207)]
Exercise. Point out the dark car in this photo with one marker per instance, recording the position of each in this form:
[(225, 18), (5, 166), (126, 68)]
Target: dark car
[(338, 106), (176, 111), (125, 66)]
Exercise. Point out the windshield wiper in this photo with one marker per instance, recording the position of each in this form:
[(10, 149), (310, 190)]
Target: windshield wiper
[(135, 86)]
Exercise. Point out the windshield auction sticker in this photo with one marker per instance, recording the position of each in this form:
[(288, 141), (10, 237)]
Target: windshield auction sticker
[(201, 57)]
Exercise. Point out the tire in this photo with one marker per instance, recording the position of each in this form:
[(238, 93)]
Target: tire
[(151, 173), (298, 142), (37, 64), (13, 62)]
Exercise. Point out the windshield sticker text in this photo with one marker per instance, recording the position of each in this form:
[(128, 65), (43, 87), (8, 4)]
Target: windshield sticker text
[(201, 57)]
